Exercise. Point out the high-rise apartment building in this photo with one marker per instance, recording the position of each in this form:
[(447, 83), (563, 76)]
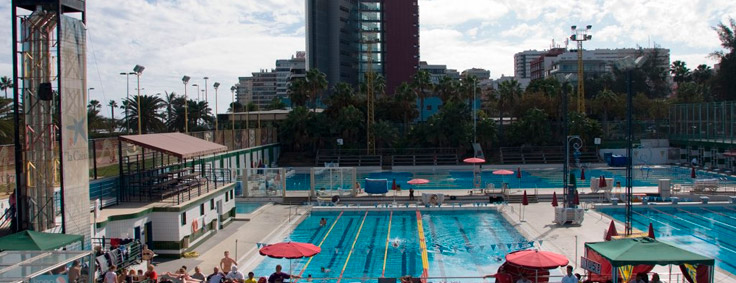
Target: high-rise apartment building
[(348, 38), (262, 87)]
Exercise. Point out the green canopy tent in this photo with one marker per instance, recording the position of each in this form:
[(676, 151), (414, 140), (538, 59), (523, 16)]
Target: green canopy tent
[(645, 251), (37, 241)]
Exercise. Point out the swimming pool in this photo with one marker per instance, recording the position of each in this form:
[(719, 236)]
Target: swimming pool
[(532, 178), (459, 243), (708, 230), (247, 207)]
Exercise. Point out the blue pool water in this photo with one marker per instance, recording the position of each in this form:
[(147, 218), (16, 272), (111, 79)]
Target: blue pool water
[(246, 207), (537, 178), (708, 230), (459, 243)]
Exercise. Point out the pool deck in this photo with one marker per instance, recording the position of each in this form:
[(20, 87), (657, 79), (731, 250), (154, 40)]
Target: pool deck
[(537, 224), (272, 223)]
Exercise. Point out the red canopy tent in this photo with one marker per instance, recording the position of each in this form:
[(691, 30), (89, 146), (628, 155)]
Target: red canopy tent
[(534, 264), (554, 199)]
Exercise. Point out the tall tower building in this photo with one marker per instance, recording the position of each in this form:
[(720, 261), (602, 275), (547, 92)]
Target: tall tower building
[(343, 36)]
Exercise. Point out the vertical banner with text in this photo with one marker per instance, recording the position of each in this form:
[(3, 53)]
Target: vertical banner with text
[(74, 150)]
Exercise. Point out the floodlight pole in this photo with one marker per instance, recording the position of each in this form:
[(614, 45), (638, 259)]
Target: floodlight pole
[(232, 112), (127, 97), (580, 35), (185, 80), (138, 69), (216, 85)]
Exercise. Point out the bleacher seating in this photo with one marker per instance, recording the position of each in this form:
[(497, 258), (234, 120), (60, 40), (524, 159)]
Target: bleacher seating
[(541, 155)]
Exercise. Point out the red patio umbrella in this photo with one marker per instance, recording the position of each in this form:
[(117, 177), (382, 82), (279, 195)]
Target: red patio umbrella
[(576, 200), (582, 174), (537, 259), (393, 185), (518, 172), (611, 231), (602, 182), (651, 231), (417, 181), (692, 173), (503, 172), (525, 200), (290, 250), (474, 160), (554, 199)]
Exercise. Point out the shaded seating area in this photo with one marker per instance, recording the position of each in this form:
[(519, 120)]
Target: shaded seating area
[(621, 260), (152, 176)]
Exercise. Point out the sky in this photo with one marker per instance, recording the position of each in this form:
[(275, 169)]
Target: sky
[(227, 39)]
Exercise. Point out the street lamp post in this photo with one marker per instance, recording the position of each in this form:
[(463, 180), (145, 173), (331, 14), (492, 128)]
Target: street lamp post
[(216, 85), (138, 69), (206, 99), (127, 96), (197, 90), (88, 92), (580, 35), (232, 112), (185, 80)]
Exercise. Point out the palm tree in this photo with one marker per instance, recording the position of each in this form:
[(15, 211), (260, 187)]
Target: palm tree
[(200, 112), (112, 105), (342, 96), (447, 89), (170, 104), (605, 99), (509, 91), (385, 133), (298, 92), (316, 83), (276, 103), (7, 127), (421, 83), (5, 84), (405, 101), (679, 71), (152, 120), (236, 106), (702, 73)]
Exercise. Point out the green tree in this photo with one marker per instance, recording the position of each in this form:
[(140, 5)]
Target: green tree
[(422, 86), (343, 95), (533, 128), (294, 130), (113, 104), (586, 128), (405, 104), (316, 83), (447, 89), (152, 120), (603, 102), (94, 120), (724, 85), (200, 115), (235, 107), (386, 134), (680, 72), (298, 92), (7, 127), (509, 92), (276, 103), (702, 74), (350, 124), (689, 92), (5, 84)]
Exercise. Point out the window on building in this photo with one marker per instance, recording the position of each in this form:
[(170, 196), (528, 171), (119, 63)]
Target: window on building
[(212, 204), (183, 218), (201, 209), (227, 197)]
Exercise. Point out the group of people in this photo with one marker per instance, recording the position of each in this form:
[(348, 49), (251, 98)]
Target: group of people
[(113, 275)]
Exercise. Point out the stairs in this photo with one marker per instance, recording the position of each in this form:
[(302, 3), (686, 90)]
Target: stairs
[(518, 198)]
